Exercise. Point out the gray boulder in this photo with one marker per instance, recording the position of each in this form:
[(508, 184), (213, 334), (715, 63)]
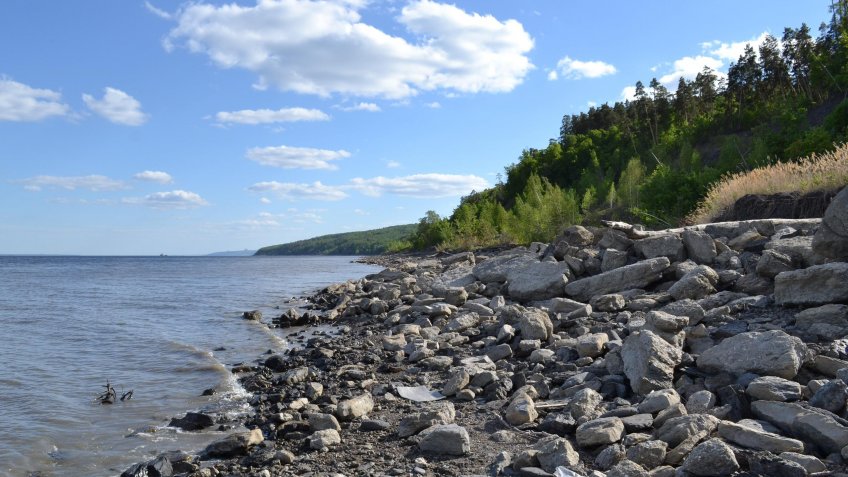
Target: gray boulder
[(535, 324), (233, 445), (757, 439), (772, 388), (649, 361), (441, 413), (772, 353), (554, 451), (613, 259), (601, 431), (537, 280), (700, 247), (496, 269), (817, 285), (826, 321), (355, 407), (711, 458), (670, 246), (773, 262), (449, 439), (831, 240), (637, 275)]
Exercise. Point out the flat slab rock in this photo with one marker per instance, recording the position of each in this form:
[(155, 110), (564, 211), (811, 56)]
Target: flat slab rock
[(638, 275), (772, 353)]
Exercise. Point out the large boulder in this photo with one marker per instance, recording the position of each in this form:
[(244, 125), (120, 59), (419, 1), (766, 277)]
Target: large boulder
[(772, 353), (826, 321), (445, 439), (831, 240), (537, 280), (192, 421), (649, 361), (817, 285), (535, 324), (637, 275), (233, 445), (670, 246), (711, 458), (441, 413), (700, 247), (757, 439), (496, 268)]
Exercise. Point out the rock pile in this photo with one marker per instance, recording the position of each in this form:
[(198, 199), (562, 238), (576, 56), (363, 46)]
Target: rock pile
[(706, 351)]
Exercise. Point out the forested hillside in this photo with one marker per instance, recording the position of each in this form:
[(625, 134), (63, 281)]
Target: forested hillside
[(652, 158), (369, 242)]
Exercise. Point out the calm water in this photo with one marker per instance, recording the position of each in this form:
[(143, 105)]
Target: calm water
[(151, 324)]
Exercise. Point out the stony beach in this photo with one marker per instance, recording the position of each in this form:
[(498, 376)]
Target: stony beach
[(703, 351)]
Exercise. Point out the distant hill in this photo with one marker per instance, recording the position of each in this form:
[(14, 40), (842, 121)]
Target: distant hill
[(368, 242), (233, 253)]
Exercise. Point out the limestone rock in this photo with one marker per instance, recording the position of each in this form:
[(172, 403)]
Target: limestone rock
[(535, 324), (676, 430), (649, 361), (758, 440), (773, 353), (773, 262), (324, 438), (537, 280), (320, 421), (554, 451), (496, 269), (711, 458), (638, 275), (772, 388), (441, 413), (459, 378), (449, 439), (826, 321), (591, 345), (700, 247), (601, 431), (670, 246), (613, 259), (831, 240), (817, 285), (521, 410), (233, 445), (355, 407)]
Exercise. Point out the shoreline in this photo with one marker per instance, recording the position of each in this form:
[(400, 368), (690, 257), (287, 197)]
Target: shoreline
[(620, 378)]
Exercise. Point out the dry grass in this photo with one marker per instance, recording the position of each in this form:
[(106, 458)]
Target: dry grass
[(814, 173)]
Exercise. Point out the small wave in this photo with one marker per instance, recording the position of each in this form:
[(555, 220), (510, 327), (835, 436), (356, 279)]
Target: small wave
[(13, 383), (188, 348)]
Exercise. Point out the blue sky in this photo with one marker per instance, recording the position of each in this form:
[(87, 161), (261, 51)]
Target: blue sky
[(154, 127)]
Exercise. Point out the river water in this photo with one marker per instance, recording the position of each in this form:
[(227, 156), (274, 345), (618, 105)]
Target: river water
[(165, 327)]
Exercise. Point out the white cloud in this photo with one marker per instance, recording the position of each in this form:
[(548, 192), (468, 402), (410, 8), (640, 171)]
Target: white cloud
[(591, 104), (95, 183), (361, 212), (19, 102), (688, 67), (731, 52), (157, 11), (628, 93), (434, 105), (265, 200), (324, 48), (392, 164), (266, 116), (292, 191), (117, 107), (420, 185), (370, 107), (154, 176), (576, 69), (553, 75), (288, 157), (175, 199)]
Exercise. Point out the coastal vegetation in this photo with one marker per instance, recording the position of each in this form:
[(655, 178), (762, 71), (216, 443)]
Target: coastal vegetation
[(371, 242), (653, 158)]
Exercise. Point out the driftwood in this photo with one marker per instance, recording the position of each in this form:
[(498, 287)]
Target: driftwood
[(109, 396)]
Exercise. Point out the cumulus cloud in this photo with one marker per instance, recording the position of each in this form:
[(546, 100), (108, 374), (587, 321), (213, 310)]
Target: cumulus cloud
[(267, 116), (370, 107), (154, 176), (292, 191), (265, 200), (323, 47), (688, 67), (576, 69), (288, 157), (117, 107), (420, 185), (731, 52), (175, 199), (94, 183), (20, 102)]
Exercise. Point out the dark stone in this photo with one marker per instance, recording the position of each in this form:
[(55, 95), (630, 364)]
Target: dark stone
[(766, 463), (277, 363), (208, 392), (730, 329), (560, 423), (158, 467), (192, 421), (734, 395), (778, 206), (831, 396), (370, 425), (255, 315)]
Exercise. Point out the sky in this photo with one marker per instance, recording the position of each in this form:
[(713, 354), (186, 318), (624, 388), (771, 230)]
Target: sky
[(132, 127)]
